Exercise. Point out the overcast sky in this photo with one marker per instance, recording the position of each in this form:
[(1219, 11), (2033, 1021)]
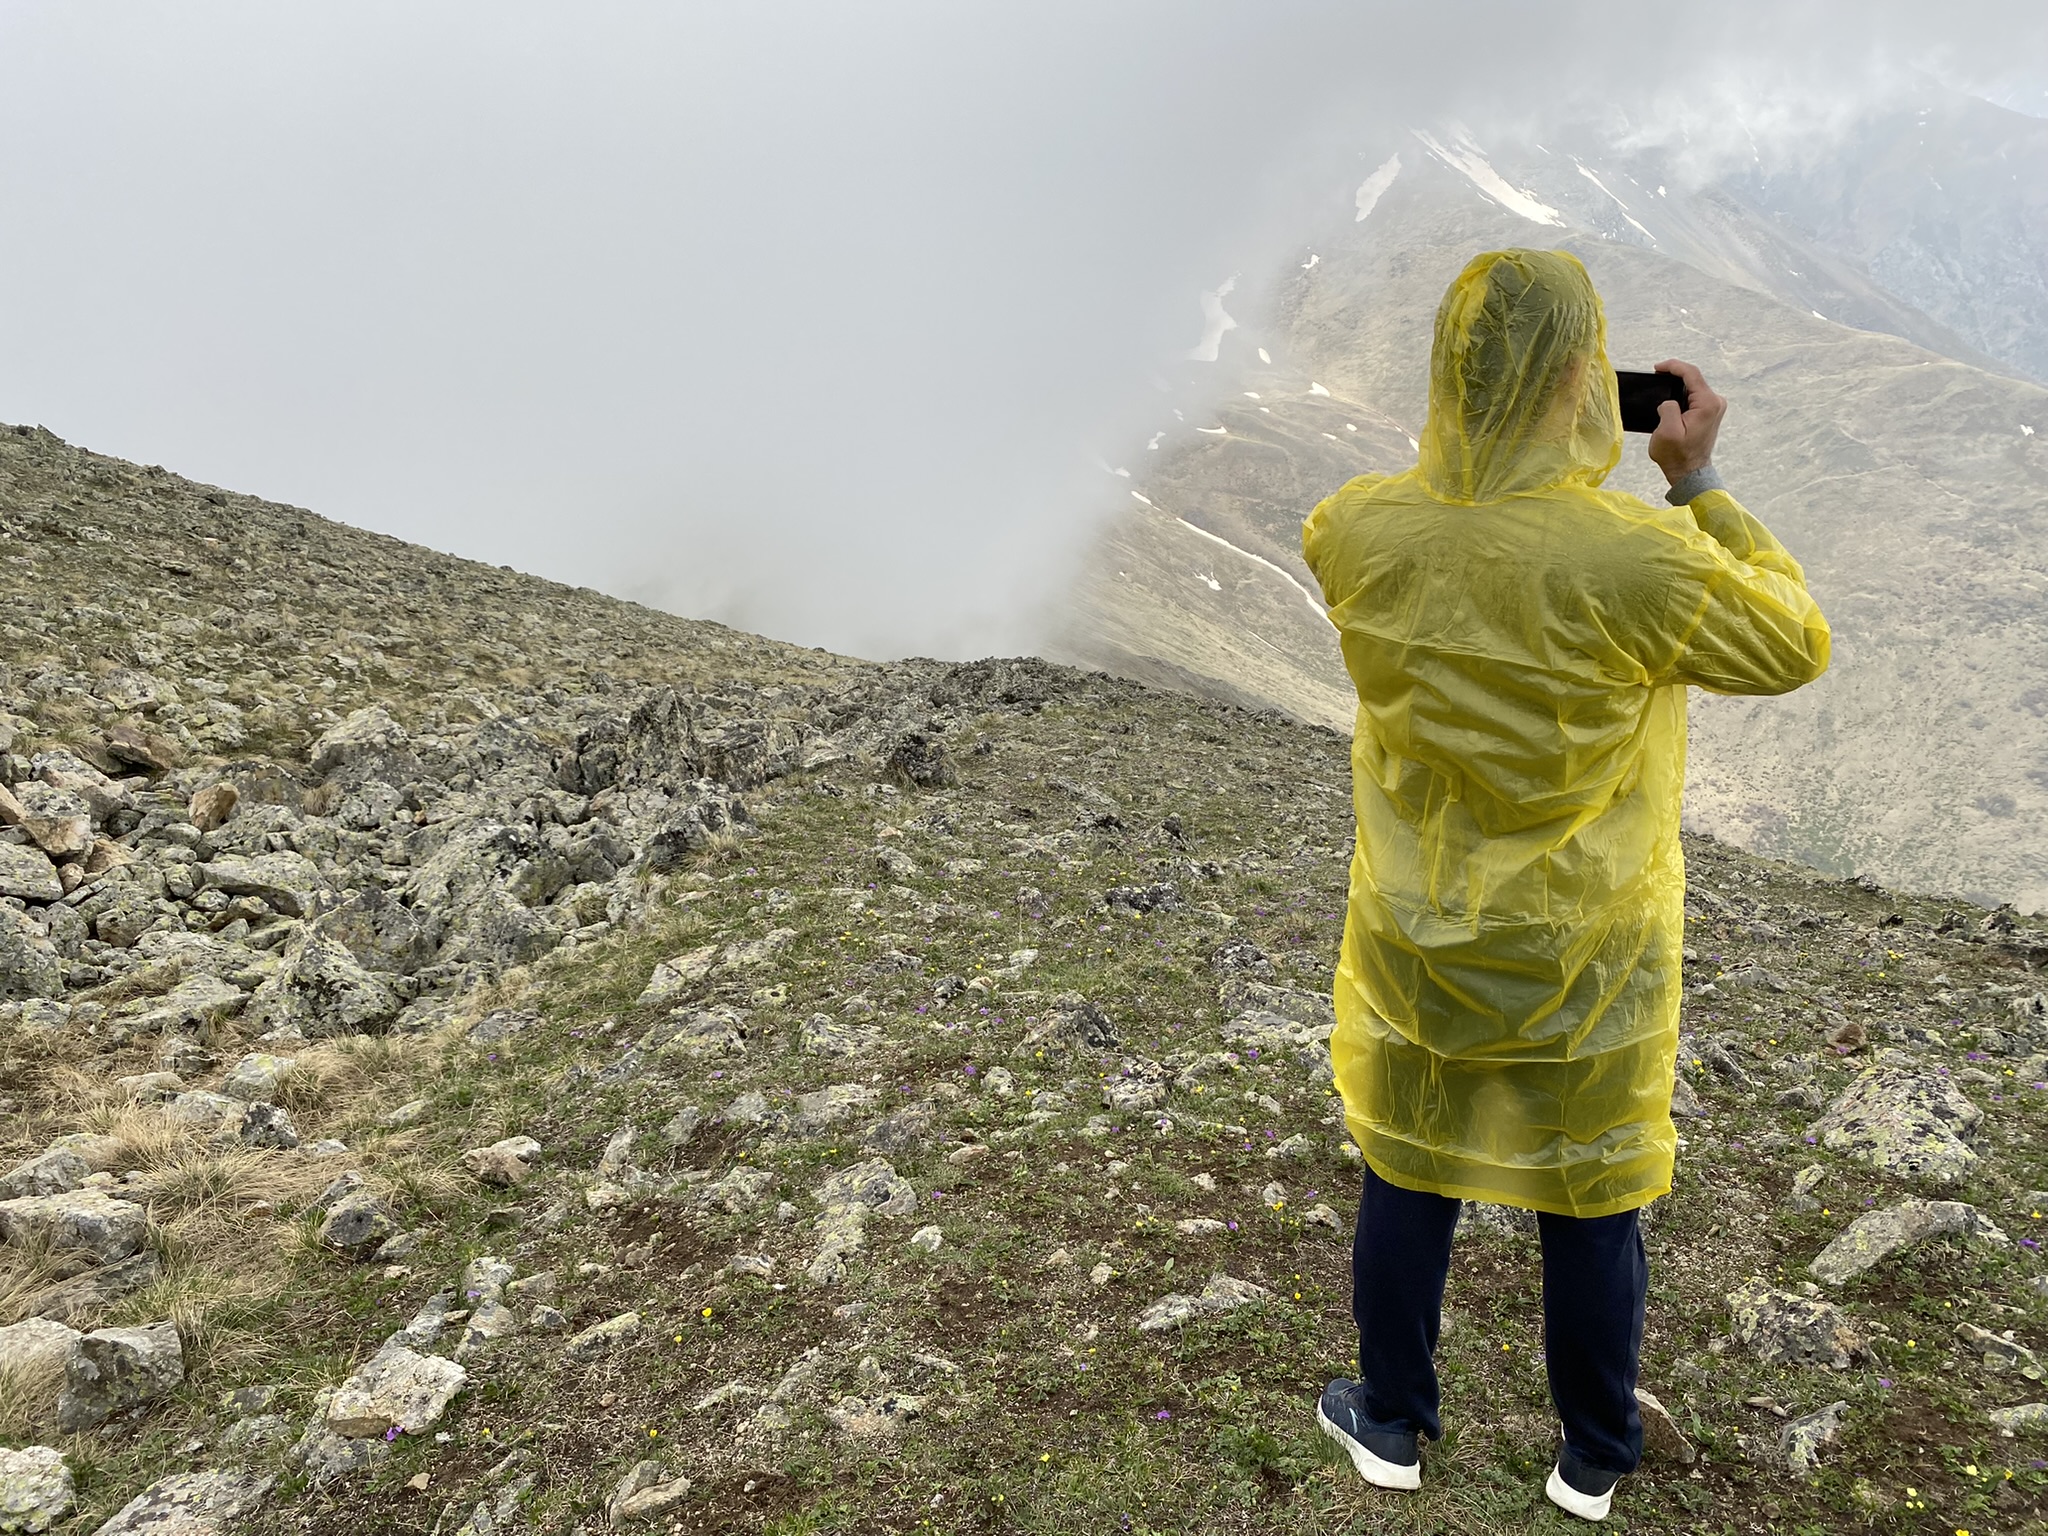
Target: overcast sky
[(819, 318)]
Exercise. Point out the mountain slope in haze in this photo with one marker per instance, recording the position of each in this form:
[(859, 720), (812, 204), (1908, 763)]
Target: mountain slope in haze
[(478, 1056), (1912, 485)]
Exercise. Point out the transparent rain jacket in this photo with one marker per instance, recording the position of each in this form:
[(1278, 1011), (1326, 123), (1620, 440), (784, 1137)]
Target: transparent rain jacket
[(1521, 642)]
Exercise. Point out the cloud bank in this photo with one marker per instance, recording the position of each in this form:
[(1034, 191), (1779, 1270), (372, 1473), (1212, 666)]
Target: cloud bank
[(820, 319)]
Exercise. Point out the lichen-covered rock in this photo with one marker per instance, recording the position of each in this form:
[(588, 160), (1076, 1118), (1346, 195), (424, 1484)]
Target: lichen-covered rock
[(1801, 1441), (321, 991), (289, 883), (1782, 1328), (57, 1171), (117, 1368), (1070, 1022), (29, 963), (28, 874), (2001, 1352), (84, 1221), (59, 820), (1663, 1440), (1900, 1117), (2020, 1419), (1223, 1293), (874, 1184), (645, 1494), (357, 1223), (80, 1300), (397, 1388), (257, 1076), (35, 1489), (1876, 1235), (603, 1338), (267, 1127), (506, 1163), (676, 975), (191, 1504)]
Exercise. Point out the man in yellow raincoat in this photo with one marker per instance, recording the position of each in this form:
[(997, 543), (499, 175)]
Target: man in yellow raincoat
[(1507, 999)]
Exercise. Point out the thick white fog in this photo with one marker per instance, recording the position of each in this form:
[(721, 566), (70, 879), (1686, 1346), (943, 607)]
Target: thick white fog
[(821, 319)]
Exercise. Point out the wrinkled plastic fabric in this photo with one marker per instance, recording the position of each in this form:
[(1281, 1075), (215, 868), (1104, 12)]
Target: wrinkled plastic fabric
[(1521, 642)]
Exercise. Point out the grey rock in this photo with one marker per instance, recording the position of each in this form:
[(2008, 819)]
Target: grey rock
[(202, 1109), (1223, 1293), (676, 975), (691, 1032), (357, 1223), (1801, 1441), (267, 1127), (397, 1388), (823, 1035), (1070, 1022), (842, 1232), (380, 932), (117, 1368), (647, 1493), (29, 963), (1876, 1235), (2001, 1352), (327, 1458), (57, 1171), (81, 1299), (1782, 1328), (682, 1126), (194, 1006), (84, 1221), (191, 1504), (321, 991), (909, 1130), (28, 874), (874, 1184), (1900, 1117), (289, 883), (58, 820), (257, 1076), (601, 1339), (501, 1025), (878, 1418), (35, 1489)]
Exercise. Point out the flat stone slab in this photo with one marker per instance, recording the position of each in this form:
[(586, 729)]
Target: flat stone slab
[(399, 1388), (1875, 1236), (35, 1489), (1901, 1117), (84, 1221), (190, 1504), (1221, 1294), (1783, 1328)]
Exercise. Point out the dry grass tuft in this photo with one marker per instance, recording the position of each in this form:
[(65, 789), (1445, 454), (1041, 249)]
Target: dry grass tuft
[(28, 1394)]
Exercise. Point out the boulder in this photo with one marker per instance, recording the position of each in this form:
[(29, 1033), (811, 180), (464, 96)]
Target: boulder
[(191, 1504), (397, 1389), (1801, 1441), (1900, 1117), (85, 1221), (35, 1489), (1876, 1235), (601, 1339), (57, 1171), (257, 1076), (211, 807), (874, 1184), (267, 1127), (321, 991), (59, 820), (117, 1368), (28, 874), (30, 966), (1782, 1328), (1222, 1294), (504, 1163), (380, 931), (289, 883), (194, 1006)]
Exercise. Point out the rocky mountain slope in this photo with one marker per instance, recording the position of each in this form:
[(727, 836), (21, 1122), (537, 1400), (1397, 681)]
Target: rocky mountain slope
[(480, 1057), (1912, 485)]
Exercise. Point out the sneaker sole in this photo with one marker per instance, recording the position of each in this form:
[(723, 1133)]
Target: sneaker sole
[(1586, 1506), (1374, 1469)]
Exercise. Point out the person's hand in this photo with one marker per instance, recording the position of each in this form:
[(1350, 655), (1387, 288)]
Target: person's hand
[(1684, 439)]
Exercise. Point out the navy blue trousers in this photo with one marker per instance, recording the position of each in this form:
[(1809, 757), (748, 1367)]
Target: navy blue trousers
[(1595, 1280)]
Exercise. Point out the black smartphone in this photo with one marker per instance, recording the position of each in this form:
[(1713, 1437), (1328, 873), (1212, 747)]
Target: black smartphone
[(1642, 393)]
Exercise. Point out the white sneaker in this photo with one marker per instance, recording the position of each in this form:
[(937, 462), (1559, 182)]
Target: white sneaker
[(1339, 1417), (1574, 1501)]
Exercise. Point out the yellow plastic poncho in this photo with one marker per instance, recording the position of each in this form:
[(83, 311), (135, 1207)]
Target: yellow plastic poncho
[(1521, 641)]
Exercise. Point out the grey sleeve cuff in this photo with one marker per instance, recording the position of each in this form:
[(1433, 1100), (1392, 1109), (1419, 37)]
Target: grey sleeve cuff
[(1702, 480)]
